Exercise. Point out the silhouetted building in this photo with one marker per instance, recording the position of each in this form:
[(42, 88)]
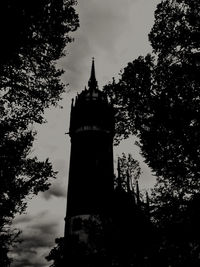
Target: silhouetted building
[(103, 224), (91, 164), (90, 186)]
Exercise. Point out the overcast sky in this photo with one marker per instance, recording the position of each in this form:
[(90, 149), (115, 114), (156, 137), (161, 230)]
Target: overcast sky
[(115, 32)]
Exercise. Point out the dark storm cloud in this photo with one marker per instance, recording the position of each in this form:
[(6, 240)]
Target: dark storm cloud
[(30, 261), (37, 235), (37, 241)]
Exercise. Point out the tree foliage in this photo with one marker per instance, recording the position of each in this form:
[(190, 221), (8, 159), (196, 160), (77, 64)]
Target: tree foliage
[(57, 253), (39, 28), (157, 98), (34, 35), (129, 172)]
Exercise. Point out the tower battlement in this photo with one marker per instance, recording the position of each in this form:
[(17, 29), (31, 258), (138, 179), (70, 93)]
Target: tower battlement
[(91, 111)]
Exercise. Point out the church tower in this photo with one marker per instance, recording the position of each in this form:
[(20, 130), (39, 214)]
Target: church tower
[(91, 163), (90, 185)]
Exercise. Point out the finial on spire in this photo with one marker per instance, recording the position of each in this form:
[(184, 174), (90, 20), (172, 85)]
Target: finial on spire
[(92, 83)]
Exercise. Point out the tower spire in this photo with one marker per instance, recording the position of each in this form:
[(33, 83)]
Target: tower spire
[(92, 83)]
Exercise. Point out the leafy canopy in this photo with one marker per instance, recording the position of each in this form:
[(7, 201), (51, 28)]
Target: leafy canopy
[(157, 97), (34, 34)]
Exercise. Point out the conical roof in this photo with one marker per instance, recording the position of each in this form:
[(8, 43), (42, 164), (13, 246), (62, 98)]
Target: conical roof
[(92, 83)]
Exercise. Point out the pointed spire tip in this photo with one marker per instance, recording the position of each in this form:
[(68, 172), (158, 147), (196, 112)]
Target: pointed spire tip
[(92, 81)]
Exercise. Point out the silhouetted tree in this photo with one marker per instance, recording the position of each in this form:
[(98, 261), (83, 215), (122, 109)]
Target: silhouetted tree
[(157, 99), (177, 234), (20, 177), (34, 34), (9, 237), (34, 37), (36, 31), (57, 253), (129, 172), (132, 229)]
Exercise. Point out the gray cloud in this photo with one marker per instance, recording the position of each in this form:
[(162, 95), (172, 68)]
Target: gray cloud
[(30, 260), (27, 218), (22, 219), (102, 23), (61, 167), (37, 240), (59, 186), (44, 228), (56, 190)]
